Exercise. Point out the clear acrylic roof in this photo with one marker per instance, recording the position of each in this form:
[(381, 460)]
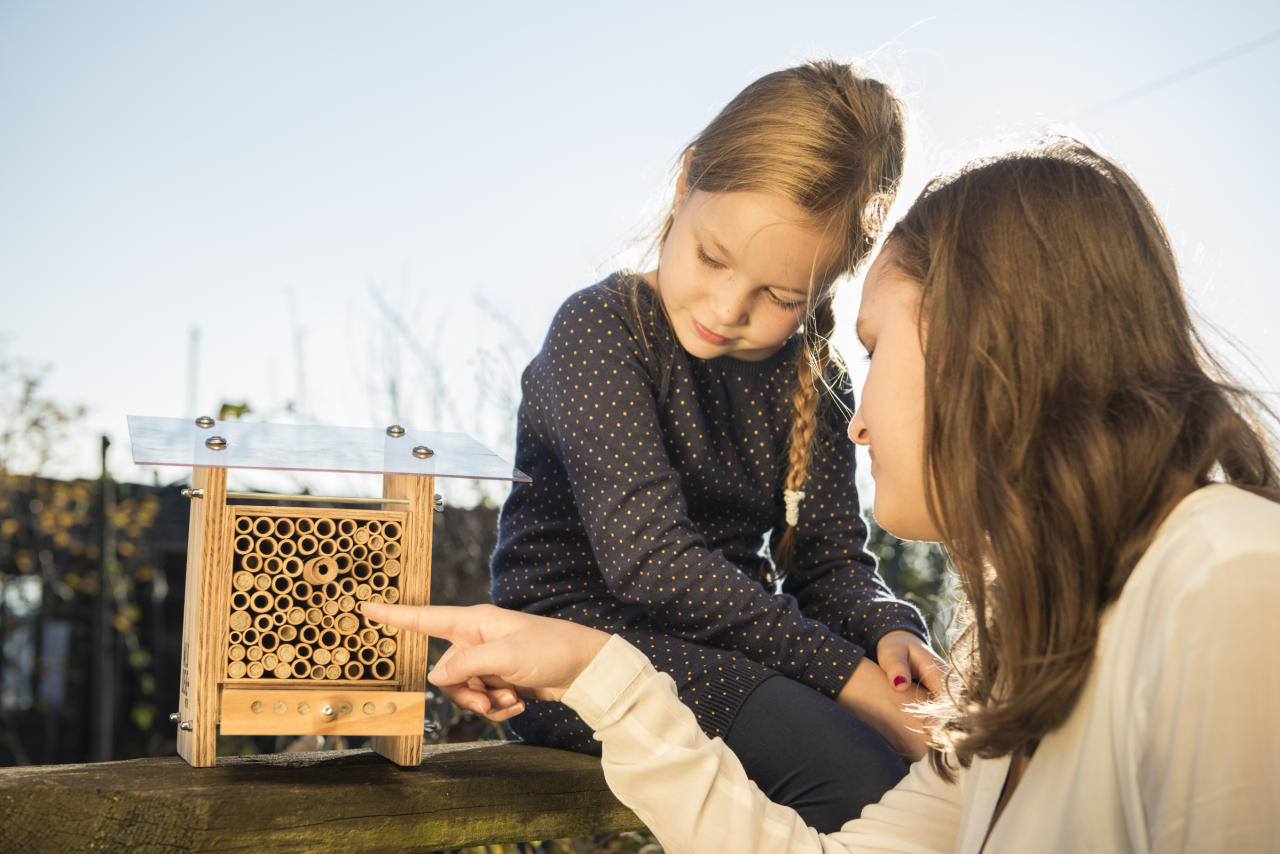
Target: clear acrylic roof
[(304, 447)]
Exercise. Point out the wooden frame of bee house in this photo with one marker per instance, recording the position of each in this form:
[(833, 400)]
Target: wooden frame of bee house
[(273, 642)]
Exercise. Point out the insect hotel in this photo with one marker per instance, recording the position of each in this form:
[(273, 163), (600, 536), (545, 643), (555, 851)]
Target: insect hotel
[(272, 641)]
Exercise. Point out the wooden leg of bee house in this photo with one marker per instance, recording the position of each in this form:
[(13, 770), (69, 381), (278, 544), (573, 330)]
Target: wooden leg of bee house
[(411, 667)]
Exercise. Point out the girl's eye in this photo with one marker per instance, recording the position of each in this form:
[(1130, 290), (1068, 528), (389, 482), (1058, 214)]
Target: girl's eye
[(793, 305), (708, 260)]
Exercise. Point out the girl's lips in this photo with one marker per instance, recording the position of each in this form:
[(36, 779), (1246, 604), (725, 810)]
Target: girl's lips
[(706, 334)]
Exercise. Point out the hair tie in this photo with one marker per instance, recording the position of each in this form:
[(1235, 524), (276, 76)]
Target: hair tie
[(792, 498)]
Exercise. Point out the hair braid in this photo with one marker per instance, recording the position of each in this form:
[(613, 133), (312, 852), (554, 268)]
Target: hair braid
[(812, 366)]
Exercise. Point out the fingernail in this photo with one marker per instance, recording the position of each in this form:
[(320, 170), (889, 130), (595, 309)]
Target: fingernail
[(898, 680)]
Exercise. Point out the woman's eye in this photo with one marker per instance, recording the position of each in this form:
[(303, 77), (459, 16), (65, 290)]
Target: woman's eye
[(708, 260)]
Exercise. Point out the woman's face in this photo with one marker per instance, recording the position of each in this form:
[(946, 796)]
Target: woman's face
[(735, 272), (890, 417)]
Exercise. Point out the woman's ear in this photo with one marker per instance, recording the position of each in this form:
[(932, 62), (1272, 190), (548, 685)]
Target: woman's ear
[(682, 181)]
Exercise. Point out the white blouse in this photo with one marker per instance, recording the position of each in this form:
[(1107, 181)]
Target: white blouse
[(1173, 745)]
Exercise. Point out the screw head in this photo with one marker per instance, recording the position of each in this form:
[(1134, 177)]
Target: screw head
[(204, 421), (215, 443), (422, 452), (185, 726), (173, 717), (327, 711), (395, 431)]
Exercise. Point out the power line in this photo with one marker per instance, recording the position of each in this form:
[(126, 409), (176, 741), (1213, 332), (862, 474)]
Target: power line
[(1179, 76)]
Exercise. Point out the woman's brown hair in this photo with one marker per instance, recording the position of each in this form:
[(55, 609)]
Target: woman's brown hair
[(832, 142), (1069, 404)]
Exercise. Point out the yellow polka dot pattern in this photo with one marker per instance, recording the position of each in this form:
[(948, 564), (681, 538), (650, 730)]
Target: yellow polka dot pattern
[(657, 483)]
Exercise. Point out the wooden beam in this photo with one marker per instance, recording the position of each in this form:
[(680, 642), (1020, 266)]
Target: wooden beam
[(352, 800)]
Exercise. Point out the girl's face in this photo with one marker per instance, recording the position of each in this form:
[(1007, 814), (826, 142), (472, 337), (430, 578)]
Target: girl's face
[(735, 272), (890, 416)]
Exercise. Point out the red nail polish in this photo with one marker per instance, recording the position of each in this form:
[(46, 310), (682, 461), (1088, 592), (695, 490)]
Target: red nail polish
[(898, 680)]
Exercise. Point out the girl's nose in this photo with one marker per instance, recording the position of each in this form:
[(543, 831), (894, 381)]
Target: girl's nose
[(858, 429), (730, 305)]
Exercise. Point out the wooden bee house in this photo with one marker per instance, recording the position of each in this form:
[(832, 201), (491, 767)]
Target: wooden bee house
[(272, 639)]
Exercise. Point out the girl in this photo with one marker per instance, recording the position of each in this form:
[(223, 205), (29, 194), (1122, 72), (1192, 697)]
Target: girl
[(1038, 400), (676, 423)]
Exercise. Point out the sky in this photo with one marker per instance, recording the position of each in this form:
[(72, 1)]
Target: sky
[(360, 213)]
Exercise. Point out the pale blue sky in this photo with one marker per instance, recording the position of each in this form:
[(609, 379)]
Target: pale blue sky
[(341, 194)]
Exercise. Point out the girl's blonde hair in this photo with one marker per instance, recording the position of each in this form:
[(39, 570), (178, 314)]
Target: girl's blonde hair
[(1069, 404), (832, 142)]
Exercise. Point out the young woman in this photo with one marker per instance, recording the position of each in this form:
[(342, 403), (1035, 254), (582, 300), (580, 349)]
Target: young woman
[(678, 422), (1039, 401)]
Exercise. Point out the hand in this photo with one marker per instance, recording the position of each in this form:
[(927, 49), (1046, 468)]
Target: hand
[(869, 695), (497, 653), (905, 658)]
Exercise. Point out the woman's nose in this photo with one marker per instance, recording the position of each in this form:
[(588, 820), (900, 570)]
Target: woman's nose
[(858, 429)]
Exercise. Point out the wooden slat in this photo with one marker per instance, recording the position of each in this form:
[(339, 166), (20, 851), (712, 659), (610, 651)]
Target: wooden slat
[(462, 795), (258, 711)]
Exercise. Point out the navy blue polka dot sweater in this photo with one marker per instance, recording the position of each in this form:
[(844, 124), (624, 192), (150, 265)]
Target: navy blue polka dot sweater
[(657, 478)]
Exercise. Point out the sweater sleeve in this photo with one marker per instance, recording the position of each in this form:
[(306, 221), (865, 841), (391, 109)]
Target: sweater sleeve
[(833, 578), (693, 794), (595, 391)]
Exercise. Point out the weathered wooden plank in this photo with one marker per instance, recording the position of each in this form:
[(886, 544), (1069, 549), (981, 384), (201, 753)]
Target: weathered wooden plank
[(461, 795)]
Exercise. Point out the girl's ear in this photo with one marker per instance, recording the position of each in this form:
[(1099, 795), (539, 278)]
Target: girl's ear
[(682, 182)]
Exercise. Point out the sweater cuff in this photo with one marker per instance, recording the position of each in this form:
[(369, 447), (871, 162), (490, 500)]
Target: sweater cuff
[(832, 665), (596, 693)]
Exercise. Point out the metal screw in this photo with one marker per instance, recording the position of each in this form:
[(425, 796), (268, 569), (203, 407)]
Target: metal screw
[(215, 443), (422, 452), (395, 431), (173, 717), (438, 501), (185, 726), (430, 726), (204, 421), (327, 710), (193, 493)]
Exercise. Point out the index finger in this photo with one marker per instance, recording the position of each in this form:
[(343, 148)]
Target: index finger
[(442, 621)]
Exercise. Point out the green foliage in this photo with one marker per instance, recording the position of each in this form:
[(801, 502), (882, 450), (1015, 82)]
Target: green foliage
[(919, 573)]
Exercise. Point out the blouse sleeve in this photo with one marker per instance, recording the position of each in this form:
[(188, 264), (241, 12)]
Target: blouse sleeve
[(834, 579), (593, 395), (693, 794)]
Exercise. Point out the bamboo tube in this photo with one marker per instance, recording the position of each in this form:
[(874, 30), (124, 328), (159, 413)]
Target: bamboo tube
[(314, 616), (346, 527), (327, 548), (288, 632), (346, 603), (333, 671), (343, 543), (316, 599), (262, 581), (308, 633), (374, 527), (291, 566), (386, 647), (324, 528), (389, 631), (261, 601), (265, 547), (361, 570), (367, 654), (234, 637), (379, 581), (320, 570), (301, 669), (272, 565), (341, 655), (249, 637), (303, 526), (376, 543), (322, 656), (347, 585), (283, 527), (391, 549), (242, 580), (244, 524), (286, 548), (283, 603), (363, 592), (263, 526), (317, 671), (369, 637), (351, 643), (307, 544), (383, 669), (239, 601), (264, 622), (269, 661), (235, 652), (282, 671), (241, 620), (303, 651), (359, 552), (391, 530), (279, 617), (237, 669), (255, 669), (330, 607), (270, 640), (392, 594), (295, 616), (286, 652), (360, 536), (281, 585), (301, 591), (353, 670), (329, 638), (332, 590), (376, 559), (253, 653), (392, 567), (251, 562), (342, 561), (327, 621), (243, 544)]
